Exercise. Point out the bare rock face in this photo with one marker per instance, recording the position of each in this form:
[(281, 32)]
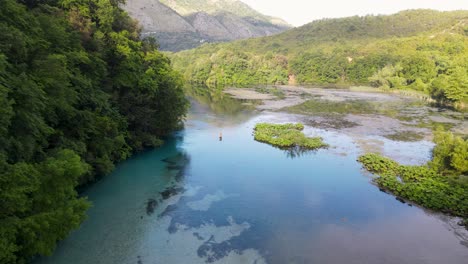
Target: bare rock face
[(197, 26), (156, 17), (239, 27), (209, 27)]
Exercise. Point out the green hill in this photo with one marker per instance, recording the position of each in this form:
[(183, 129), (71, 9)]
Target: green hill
[(423, 50), (188, 7), (402, 24)]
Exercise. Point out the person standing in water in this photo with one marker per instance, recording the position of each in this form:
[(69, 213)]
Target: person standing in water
[(220, 136)]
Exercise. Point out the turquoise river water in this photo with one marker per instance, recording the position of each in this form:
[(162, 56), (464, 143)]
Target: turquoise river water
[(201, 200)]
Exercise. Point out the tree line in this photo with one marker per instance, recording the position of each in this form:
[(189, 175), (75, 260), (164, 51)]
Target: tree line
[(79, 92), (418, 50)]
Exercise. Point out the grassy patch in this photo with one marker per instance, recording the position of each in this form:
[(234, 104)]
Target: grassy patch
[(322, 106), (435, 125), (286, 136), (272, 90), (332, 121), (405, 136)]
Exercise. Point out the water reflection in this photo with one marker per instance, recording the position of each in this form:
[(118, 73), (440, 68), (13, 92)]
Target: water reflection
[(297, 152), (199, 200), (214, 107), (219, 102)]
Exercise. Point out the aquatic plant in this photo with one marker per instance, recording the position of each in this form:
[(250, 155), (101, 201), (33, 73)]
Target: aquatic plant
[(405, 136), (330, 107), (286, 136), (271, 90), (437, 185), (378, 164)]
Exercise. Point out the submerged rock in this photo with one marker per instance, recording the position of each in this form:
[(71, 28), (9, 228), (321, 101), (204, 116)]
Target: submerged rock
[(171, 191), (150, 206)]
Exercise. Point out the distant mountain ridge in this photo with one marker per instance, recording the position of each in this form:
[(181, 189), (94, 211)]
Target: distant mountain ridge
[(421, 50), (185, 24), (187, 7)]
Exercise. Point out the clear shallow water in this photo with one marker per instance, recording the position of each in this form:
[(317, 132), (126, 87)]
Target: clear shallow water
[(199, 200)]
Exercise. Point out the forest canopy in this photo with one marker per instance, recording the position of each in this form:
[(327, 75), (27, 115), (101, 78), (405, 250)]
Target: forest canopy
[(79, 91), (419, 50)]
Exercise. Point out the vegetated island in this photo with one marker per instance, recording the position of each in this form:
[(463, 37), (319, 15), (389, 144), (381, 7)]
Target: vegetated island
[(440, 185), (286, 136)]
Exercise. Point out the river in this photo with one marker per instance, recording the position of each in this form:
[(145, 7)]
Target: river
[(199, 199)]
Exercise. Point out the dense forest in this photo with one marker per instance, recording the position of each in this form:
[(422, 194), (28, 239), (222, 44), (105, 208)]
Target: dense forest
[(79, 92), (421, 50)]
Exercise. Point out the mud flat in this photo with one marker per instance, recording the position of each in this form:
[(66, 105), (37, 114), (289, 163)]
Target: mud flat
[(394, 125)]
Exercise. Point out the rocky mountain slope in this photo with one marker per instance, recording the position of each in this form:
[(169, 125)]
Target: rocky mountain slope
[(187, 7), (185, 24)]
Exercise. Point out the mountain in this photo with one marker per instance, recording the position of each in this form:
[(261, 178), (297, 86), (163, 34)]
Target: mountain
[(185, 24), (187, 7), (422, 50)]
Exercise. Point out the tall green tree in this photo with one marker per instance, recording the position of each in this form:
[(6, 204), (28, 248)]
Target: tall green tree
[(79, 92)]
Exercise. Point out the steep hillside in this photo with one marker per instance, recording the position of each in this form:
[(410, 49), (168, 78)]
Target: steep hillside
[(423, 50), (187, 7), (171, 29), (192, 23), (156, 17)]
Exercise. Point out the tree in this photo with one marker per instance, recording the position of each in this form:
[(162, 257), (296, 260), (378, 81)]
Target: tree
[(67, 69), (449, 154)]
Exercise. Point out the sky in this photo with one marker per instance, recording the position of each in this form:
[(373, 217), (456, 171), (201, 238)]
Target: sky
[(300, 12)]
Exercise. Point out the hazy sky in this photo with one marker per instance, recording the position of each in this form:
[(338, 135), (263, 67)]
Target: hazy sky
[(299, 12)]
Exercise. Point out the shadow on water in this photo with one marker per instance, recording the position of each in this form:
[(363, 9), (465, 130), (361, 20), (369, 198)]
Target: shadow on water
[(177, 168)]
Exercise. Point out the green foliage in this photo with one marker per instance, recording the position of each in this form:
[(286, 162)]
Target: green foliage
[(319, 68), (450, 155), (237, 68), (39, 204), (378, 164), (432, 186), (453, 85), (421, 50), (78, 92), (286, 136), (321, 106), (388, 77), (238, 8)]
